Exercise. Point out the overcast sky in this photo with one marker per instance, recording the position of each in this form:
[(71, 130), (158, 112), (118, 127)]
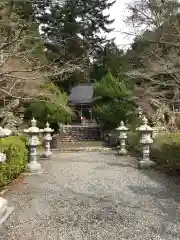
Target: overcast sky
[(119, 11)]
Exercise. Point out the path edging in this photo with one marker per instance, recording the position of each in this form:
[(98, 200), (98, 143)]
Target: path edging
[(85, 149)]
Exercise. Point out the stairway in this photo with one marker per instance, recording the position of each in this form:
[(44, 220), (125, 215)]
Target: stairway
[(76, 133)]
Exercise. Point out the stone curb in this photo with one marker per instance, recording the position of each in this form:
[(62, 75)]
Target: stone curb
[(6, 214), (4, 191), (84, 149)]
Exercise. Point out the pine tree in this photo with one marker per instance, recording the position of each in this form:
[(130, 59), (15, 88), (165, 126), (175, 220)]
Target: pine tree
[(109, 58), (75, 25), (114, 100), (93, 20), (71, 32)]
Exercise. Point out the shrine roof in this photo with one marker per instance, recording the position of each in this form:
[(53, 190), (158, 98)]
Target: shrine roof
[(81, 94)]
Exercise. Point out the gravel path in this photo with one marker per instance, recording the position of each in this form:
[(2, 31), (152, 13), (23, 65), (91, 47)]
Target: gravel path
[(93, 196)]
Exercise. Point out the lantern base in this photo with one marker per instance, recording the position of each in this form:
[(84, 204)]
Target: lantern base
[(122, 152), (146, 164), (34, 168), (47, 155), (5, 210), (2, 157)]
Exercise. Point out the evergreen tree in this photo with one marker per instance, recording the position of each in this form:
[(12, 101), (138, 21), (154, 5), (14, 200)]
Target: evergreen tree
[(92, 20), (71, 31), (110, 58), (75, 20), (114, 100)]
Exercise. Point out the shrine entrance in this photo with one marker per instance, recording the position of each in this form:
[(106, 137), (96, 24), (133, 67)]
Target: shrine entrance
[(82, 111), (81, 100)]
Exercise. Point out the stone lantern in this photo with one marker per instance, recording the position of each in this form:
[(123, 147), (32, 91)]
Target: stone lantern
[(146, 141), (139, 112), (47, 140), (122, 137), (5, 210), (33, 166), (21, 113), (4, 132)]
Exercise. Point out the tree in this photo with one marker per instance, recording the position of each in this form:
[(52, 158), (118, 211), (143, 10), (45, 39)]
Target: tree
[(79, 20), (114, 101), (55, 111), (110, 58), (158, 48), (92, 21), (20, 44), (71, 32), (150, 14), (24, 67)]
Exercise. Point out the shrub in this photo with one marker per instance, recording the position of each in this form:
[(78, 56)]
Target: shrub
[(113, 101), (16, 152), (177, 119), (166, 150), (111, 113), (53, 109), (24, 138), (47, 111), (133, 142)]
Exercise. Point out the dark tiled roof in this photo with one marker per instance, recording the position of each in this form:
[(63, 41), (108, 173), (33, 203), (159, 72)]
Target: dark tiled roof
[(81, 94)]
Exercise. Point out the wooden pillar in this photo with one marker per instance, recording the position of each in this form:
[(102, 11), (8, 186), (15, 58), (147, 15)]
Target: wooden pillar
[(90, 113), (81, 111)]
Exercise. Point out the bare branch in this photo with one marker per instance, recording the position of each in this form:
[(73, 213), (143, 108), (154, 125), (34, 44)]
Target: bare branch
[(8, 44)]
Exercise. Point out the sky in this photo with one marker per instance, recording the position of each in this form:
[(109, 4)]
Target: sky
[(118, 12)]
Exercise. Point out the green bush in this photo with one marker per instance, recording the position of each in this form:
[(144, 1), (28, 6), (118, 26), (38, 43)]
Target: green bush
[(47, 111), (24, 138), (113, 101), (53, 108), (166, 150), (133, 142), (112, 113), (17, 154), (177, 119)]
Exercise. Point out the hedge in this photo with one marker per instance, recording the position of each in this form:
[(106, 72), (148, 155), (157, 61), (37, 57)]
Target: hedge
[(17, 154), (165, 150), (24, 137)]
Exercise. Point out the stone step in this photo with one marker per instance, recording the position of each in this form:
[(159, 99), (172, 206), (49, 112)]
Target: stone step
[(86, 149), (80, 134)]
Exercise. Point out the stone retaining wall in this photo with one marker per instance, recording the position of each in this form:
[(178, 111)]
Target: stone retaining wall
[(79, 133)]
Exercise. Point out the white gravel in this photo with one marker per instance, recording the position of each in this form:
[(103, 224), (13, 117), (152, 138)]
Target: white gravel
[(93, 196)]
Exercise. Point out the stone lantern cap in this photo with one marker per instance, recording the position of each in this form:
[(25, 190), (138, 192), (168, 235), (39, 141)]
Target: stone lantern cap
[(139, 110), (144, 127), (33, 128), (122, 127), (5, 132), (47, 129)]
